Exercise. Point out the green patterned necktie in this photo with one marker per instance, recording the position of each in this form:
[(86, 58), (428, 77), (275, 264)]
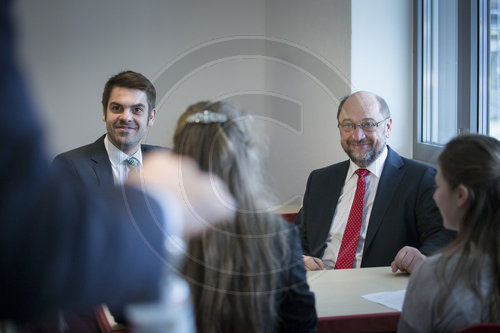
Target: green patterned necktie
[(132, 162), (133, 165)]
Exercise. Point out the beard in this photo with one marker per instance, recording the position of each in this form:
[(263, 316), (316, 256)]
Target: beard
[(360, 158), (125, 141)]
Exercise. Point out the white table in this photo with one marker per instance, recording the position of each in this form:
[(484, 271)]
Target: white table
[(340, 306)]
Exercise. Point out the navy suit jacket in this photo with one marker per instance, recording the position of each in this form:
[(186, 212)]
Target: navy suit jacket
[(90, 164), (403, 213)]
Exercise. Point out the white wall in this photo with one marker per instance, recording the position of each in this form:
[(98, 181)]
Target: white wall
[(285, 61), (382, 60), (72, 47), (319, 31)]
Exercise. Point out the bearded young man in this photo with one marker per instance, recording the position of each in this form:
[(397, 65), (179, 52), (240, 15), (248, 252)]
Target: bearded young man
[(382, 214), (128, 109)]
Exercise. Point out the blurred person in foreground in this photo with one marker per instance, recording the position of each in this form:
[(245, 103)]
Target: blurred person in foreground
[(461, 285), (64, 247), (247, 274)]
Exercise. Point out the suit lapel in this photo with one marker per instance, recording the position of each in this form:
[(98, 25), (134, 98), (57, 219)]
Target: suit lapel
[(335, 184), (389, 181), (101, 163)]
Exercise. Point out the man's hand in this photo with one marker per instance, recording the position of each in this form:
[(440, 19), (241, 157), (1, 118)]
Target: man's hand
[(202, 197), (313, 264), (407, 259)]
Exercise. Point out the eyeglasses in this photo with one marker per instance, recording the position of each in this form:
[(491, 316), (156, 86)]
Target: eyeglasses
[(366, 126)]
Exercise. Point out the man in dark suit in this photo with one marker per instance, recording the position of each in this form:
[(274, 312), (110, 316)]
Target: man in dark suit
[(65, 247), (398, 222), (128, 107)]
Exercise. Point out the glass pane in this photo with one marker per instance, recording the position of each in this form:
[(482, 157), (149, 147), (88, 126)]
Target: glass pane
[(440, 59), (494, 70)]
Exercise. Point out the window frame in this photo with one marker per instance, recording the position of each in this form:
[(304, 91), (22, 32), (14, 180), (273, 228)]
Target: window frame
[(472, 74)]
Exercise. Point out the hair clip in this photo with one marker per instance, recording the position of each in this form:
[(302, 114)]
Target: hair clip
[(207, 117)]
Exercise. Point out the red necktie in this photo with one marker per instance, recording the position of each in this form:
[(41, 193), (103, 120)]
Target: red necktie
[(345, 259)]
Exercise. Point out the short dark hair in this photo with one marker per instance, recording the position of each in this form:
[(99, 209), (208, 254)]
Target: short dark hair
[(341, 104), (382, 106), (131, 80)]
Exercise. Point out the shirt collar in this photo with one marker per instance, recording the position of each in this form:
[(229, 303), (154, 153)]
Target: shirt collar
[(116, 156), (375, 168)]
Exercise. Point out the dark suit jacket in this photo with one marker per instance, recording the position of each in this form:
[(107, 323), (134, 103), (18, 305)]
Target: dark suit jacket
[(90, 164), (63, 246), (403, 213)]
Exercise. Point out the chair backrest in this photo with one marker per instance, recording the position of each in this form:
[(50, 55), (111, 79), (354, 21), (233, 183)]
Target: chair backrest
[(481, 328)]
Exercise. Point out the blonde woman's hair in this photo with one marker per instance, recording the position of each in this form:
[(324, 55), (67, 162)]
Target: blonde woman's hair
[(233, 269)]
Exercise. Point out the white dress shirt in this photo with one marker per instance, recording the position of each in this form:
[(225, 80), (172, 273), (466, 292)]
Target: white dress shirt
[(117, 158), (343, 209), (170, 206), (149, 314)]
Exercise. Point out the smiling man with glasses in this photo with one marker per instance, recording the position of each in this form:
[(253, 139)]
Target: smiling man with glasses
[(375, 209)]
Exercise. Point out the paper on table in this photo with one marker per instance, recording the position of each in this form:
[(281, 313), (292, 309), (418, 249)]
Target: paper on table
[(391, 299)]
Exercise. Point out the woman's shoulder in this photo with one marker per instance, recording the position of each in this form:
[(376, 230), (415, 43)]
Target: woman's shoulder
[(429, 264), (433, 263), (428, 270)]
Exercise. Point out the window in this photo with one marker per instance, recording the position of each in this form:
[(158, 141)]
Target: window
[(457, 70), (494, 68)]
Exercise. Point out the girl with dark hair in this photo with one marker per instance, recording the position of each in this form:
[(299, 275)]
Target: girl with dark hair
[(461, 286), (246, 275)]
